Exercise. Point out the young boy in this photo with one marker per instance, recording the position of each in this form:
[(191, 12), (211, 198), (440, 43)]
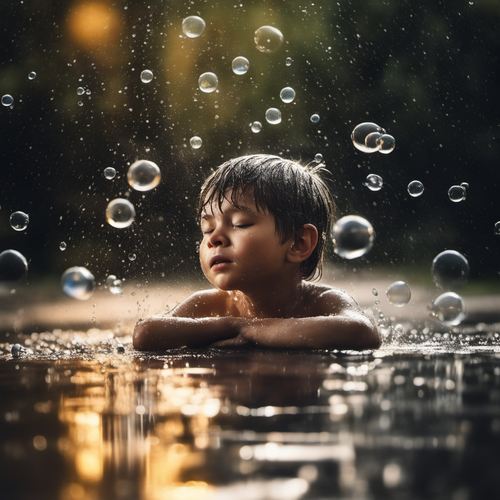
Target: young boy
[(265, 221)]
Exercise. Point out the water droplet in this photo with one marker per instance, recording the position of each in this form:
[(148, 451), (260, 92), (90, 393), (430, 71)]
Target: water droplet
[(132, 257), (109, 173), (7, 100), (240, 65), (63, 246), (120, 213), (13, 266), (450, 269), (287, 94), (19, 221), (288, 61), (268, 39), (273, 116), (415, 188), (457, 193), (195, 142), (78, 283), (146, 76), (386, 144), (80, 91), (116, 287), (360, 133), (375, 292), (374, 182), (314, 118), (449, 308), (352, 236), (371, 141), (256, 127), (143, 175), (398, 293), (32, 75), (193, 26), (208, 82), (318, 157), (497, 228)]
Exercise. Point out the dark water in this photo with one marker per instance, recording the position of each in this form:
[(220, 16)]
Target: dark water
[(84, 417)]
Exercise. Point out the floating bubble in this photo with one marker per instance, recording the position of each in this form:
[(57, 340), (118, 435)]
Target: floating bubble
[(457, 193), (32, 75), (386, 144), (268, 39), (256, 127), (63, 246), (449, 308), (415, 188), (360, 133), (315, 118), (195, 142), (80, 91), (208, 82), (273, 116), (352, 237), (193, 26), (13, 266), (497, 228), (375, 292), (240, 65), (19, 221), (132, 257), (78, 283), (114, 285), (120, 213), (318, 157), (287, 94), (7, 100), (374, 182), (143, 175), (288, 61), (109, 173), (450, 269), (398, 293), (146, 76)]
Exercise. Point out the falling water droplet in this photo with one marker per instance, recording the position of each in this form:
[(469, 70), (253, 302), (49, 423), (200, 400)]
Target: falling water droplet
[(415, 188), (146, 76), (318, 157), (287, 94), (109, 173), (132, 257), (193, 26), (352, 236), (268, 39), (208, 82), (19, 221), (315, 118), (374, 182), (398, 293), (13, 266), (240, 65), (273, 116), (78, 283), (120, 213), (143, 175), (195, 142)]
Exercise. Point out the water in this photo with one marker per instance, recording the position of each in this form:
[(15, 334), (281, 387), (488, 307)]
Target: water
[(193, 26), (273, 116), (143, 175), (147, 76), (352, 237), (109, 173), (13, 266), (240, 65), (195, 142), (120, 213), (287, 95), (19, 221), (450, 269), (78, 283), (374, 182), (268, 39), (415, 189)]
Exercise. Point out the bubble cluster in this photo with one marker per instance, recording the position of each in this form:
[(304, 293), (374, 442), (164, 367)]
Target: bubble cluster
[(450, 269), (19, 221), (109, 173), (273, 116), (240, 65), (368, 137), (195, 142), (146, 76), (268, 39), (208, 82), (193, 26), (458, 193), (352, 237), (398, 293), (256, 127), (287, 95), (143, 175), (13, 266), (415, 188), (449, 308), (374, 182), (78, 283), (120, 213), (7, 100)]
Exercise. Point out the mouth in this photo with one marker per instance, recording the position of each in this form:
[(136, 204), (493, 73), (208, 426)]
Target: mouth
[(218, 259)]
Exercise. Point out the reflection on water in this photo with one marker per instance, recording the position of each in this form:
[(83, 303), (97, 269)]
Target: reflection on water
[(249, 424)]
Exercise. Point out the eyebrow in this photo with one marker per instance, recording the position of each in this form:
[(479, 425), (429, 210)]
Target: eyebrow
[(232, 209)]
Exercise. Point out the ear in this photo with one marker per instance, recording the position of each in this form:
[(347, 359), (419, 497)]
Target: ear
[(304, 244)]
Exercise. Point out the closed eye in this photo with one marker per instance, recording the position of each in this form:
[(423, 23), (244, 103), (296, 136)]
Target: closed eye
[(242, 226)]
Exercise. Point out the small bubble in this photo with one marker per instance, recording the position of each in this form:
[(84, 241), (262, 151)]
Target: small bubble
[(195, 142), (19, 221), (375, 292), (63, 246), (13, 266), (143, 175), (360, 133), (80, 103), (352, 237), (450, 269), (415, 188), (497, 228), (78, 283), (386, 144), (132, 257), (193, 26), (374, 182), (315, 118), (32, 75), (449, 308), (287, 95), (273, 116), (318, 157), (80, 91), (7, 100), (398, 293), (240, 65), (120, 213), (457, 193), (256, 127), (208, 82), (109, 173), (288, 61), (146, 76), (268, 39)]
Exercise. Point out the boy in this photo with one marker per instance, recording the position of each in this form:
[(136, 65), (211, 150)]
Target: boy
[(265, 221)]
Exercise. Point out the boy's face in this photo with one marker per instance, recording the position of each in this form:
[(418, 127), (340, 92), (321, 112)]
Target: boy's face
[(241, 249)]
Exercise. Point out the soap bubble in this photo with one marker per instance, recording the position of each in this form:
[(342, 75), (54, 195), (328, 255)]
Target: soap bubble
[(318, 157), (63, 246), (360, 133), (450, 269), (195, 142), (273, 116), (398, 294), (208, 82), (146, 76), (288, 61), (114, 285), (80, 91), (193, 26), (415, 188), (19, 221), (109, 173), (352, 236), (120, 213), (371, 141), (374, 182), (268, 39), (32, 75), (449, 308), (386, 144), (315, 118), (7, 100), (497, 228), (78, 283), (457, 193), (256, 127), (13, 266), (143, 175), (287, 94), (240, 65)]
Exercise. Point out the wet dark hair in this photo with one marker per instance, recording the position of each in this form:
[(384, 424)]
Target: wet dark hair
[(292, 193)]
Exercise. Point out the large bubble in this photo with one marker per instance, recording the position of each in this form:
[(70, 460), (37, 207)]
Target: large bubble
[(143, 175), (273, 116), (193, 26), (7, 100), (398, 293), (146, 76), (458, 193), (208, 82), (109, 173), (240, 65), (13, 266), (360, 134), (268, 39), (352, 236), (196, 142), (449, 308), (19, 221), (450, 269), (120, 213), (78, 283), (287, 95)]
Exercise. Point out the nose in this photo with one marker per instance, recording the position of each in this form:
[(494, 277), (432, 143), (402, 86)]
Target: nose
[(217, 238)]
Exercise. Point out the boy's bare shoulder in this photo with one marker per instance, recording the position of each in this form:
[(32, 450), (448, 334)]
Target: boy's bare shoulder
[(324, 299), (203, 304)]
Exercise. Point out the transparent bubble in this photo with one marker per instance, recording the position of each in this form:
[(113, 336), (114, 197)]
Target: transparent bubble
[(449, 308), (415, 188), (80, 91), (193, 26), (273, 116), (13, 266), (450, 269), (78, 283), (256, 127), (143, 175), (375, 292), (497, 228), (386, 144), (287, 94), (195, 142), (109, 173), (146, 76), (63, 246), (457, 193), (116, 286), (318, 157), (352, 236), (19, 221), (208, 82), (398, 293), (315, 118), (240, 65), (132, 257), (360, 133), (268, 39), (374, 182), (371, 141), (32, 75), (288, 61), (7, 100), (120, 213)]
